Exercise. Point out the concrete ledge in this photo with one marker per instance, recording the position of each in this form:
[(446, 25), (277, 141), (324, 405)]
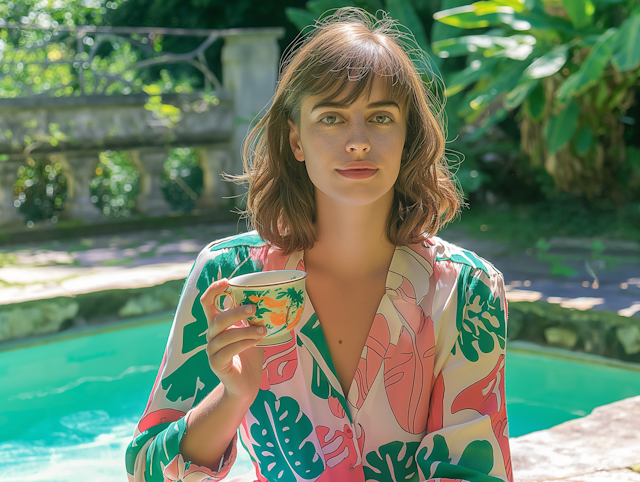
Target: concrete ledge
[(45, 316), (601, 447)]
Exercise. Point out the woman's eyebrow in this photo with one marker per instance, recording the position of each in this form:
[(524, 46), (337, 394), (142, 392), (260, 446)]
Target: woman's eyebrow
[(339, 105)]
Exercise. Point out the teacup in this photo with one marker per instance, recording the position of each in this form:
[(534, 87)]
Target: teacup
[(278, 297)]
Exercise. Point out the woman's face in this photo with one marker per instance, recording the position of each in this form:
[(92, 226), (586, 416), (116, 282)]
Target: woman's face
[(352, 152)]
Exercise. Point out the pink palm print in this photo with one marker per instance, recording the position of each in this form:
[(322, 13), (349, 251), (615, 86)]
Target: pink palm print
[(376, 345), (436, 410), (166, 415), (280, 363), (339, 455), (487, 397), (408, 374)]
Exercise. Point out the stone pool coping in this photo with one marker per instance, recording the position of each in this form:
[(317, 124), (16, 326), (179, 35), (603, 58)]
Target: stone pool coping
[(604, 446)]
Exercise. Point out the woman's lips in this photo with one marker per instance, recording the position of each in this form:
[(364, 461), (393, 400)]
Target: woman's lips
[(357, 173)]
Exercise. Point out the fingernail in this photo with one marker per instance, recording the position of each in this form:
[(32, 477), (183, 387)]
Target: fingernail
[(260, 329), (248, 308)]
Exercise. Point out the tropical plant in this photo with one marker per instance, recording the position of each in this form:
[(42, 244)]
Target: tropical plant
[(40, 190), (567, 70), (181, 181), (116, 185)]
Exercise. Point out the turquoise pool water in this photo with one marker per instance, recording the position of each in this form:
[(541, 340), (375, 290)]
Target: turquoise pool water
[(68, 408)]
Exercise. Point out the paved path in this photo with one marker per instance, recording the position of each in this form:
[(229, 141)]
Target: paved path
[(606, 278)]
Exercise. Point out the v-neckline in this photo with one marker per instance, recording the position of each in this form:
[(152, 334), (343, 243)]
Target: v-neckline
[(324, 350)]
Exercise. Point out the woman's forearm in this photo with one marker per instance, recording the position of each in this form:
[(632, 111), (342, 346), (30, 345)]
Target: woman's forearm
[(211, 427)]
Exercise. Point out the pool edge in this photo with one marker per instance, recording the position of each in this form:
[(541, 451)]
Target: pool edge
[(88, 330), (529, 347)]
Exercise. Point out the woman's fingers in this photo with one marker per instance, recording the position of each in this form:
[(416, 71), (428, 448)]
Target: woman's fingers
[(228, 344), (229, 337), (208, 297), (227, 319)]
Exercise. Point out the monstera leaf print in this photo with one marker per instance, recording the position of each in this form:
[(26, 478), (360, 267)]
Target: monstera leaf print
[(487, 397), (393, 461), (481, 317), (279, 439), (474, 465), (194, 377)]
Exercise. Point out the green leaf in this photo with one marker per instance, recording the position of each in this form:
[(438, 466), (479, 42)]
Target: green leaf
[(442, 31), (561, 127), (517, 96), (504, 80), (282, 439), (580, 12), (490, 120), (517, 47), (591, 68), (535, 103), (152, 89), (299, 17), (479, 14), (627, 47), (548, 64), (584, 139), (318, 7), (478, 69)]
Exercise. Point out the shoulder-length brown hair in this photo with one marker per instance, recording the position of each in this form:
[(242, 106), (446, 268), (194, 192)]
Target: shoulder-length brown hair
[(349, 45)]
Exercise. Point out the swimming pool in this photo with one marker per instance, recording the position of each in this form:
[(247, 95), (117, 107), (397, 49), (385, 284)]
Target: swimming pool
[(68, 408)]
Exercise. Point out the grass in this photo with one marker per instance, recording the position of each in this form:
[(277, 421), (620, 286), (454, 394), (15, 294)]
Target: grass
[(7, 259), (117, 262)]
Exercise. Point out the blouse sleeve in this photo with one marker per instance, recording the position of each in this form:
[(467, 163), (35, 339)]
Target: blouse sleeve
[(183, 380), (467, 432)]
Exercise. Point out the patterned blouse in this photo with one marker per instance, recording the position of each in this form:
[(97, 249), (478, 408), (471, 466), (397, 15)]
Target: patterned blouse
[(427, 402)]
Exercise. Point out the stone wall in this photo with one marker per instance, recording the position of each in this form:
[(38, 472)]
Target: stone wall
[(591, 331), (74, 130)]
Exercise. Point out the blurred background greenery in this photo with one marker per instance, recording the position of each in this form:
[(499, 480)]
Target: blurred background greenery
[(542, 98)]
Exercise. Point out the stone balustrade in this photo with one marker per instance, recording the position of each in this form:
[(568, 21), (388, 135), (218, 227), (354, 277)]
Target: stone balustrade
[(88, 125)]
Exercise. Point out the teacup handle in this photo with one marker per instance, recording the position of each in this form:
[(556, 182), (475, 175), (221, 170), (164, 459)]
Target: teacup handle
[(219, 306)]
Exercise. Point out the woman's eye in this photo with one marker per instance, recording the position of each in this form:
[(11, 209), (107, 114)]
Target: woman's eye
[(332, 119), (382, 119)]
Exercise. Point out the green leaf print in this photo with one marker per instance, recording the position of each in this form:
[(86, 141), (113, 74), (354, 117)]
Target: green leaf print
[(467, 258), (321, 387), (396, 456), (474, 465), (296, 296), (180, 385), (194, 377), (480, 317), (279, 439), (261, 310)]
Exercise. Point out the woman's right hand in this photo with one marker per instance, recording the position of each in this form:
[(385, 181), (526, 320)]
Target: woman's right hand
[(231, 349)]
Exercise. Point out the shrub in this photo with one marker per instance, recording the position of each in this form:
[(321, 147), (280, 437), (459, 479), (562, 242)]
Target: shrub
[(116, 185), (181, 180), (40, 191)]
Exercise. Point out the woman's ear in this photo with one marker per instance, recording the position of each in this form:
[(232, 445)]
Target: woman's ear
[(294, 142)]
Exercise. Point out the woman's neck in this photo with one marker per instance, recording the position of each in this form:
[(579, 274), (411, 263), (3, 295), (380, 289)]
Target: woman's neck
[(351, 240)]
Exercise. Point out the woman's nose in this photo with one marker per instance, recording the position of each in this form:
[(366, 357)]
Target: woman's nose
[(358, 140)]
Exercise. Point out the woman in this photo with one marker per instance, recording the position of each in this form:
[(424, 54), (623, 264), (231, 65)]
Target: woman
[(396, 370)]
